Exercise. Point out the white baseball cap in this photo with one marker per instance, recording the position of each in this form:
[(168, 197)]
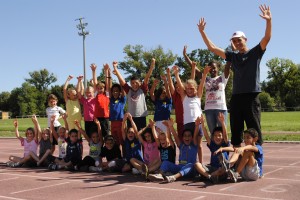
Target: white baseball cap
[(238, 34)]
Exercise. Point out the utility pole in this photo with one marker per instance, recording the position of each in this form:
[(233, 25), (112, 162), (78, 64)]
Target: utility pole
[(82, 32)]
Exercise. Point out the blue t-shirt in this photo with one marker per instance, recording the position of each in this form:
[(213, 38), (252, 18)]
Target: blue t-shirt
[(188, 153), (214, 160), (167, 154), (246, 69), (133, 149), (259, 156), (162, 109), (116, 108)]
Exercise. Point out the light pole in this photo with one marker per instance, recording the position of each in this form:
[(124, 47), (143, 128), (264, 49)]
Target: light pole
[(81, 27)]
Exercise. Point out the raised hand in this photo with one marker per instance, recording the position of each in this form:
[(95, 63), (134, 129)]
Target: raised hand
[(175, 69), (70, 77), (265, 12), (97, 122), (221, 117), (106, 66), (80, 78), (93, 66), (163, 77), (201, 24), (206, 70), (184, 49), (16, 123)]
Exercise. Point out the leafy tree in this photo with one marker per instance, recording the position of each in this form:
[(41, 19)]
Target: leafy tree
[(41, 79), (13, 101), (266, 101), (4, 101), (28, 100), (283, 82)]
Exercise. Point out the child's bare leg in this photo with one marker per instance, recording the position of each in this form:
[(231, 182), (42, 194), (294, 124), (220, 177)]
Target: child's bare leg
[(47, 153), (136, 163), (152, 167), (178, 175), (200, 157), (53, 149), (201, 170), (126, 168), (34, 156), (234, 158), (247, 159)]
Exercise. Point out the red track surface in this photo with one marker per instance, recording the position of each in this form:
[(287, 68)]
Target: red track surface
[(281, 181)]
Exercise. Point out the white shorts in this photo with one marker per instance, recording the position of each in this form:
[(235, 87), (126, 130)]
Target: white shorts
[(251, 173), (160, 125)]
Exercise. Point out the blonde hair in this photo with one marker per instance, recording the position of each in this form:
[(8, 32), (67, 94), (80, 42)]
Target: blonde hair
[(192, 82)]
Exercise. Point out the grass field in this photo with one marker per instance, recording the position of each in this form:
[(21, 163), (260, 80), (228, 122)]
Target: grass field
[(276, 126)]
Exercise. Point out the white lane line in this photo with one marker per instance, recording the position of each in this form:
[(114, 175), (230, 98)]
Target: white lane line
[(5, 197), (281, 166), (39, 188), (44, 177), (201, 197), (294, 163), (7, 179), (231, 186), (157, 188), (104, 194), (282, 179), (273, 171)]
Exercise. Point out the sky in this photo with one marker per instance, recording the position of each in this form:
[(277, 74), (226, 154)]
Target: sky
[(38, 34)]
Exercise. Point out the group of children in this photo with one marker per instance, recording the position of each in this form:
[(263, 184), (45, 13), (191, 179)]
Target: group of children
[(123, 142)]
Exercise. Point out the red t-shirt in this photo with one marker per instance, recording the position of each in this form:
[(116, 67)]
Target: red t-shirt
[(102, 106)]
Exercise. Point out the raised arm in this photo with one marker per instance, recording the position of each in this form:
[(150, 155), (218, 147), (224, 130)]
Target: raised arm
[(124, 126), (266, 14), (170, 82), (196, 131), (223, 123), (16, 125), (66, 87), (118, 74), (107, 78), (54, 133), (173, 132), (99, 130), (82, 131), (37, 128), (206, 135), (154, 132), (65, 116), (193, 72), (80, 87), (152, 90), (133, 125), (201, 86), (164, 78), (168, 133), (95, 81), (187, 59), (227, 69), (210, 45), (179, 83), (149, 73)]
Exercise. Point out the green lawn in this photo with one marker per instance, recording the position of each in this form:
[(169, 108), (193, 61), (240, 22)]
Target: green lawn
[(275, 126)]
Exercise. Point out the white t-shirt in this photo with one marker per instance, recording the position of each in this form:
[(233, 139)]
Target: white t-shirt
[(62, 147), (191, 109), (215, 93), (56, 110)]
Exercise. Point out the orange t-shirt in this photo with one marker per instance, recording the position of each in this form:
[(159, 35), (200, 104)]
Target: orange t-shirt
[(102, 106)]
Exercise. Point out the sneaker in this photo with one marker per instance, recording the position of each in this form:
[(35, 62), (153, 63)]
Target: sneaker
[(224, 163), (214, 179), (52, 166), (145, 170), (95, 169), (156, 177), (9, 164), (17, 164), (112, 164), (233, 176), (170, 179), (135, 171)]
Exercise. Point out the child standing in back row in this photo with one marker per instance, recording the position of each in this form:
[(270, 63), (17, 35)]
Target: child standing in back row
[(72, 104), (136, 96)]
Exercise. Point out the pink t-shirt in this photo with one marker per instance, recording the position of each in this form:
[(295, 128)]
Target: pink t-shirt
[(88, 108), (151, 152), (29, 146)]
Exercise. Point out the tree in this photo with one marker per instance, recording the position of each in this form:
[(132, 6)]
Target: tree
[(283, 82), (28, 100), (41, 79), (4, 101), (266, 101)]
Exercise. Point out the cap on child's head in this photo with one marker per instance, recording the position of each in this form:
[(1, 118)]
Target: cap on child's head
[(252, 132), (238, 34)]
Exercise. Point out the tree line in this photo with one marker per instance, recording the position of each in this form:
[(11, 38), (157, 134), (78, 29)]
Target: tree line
[(280, 89)]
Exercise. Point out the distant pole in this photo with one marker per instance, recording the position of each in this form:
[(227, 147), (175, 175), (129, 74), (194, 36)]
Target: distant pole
[(81, 27)]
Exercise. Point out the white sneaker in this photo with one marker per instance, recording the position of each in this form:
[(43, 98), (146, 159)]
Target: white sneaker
[(95, 169), (112, 164), (135, 171), (155, 177), (170, 179)]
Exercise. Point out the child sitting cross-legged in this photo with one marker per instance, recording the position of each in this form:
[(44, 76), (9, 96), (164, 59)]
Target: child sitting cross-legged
[(111, 151), (187, 157), (248, 159), (215, 171)]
